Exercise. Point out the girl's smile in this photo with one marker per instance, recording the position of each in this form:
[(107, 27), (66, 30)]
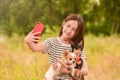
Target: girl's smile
[(69, 29)]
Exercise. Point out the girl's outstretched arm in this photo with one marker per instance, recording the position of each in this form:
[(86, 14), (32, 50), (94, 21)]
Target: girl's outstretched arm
[(32, 42)]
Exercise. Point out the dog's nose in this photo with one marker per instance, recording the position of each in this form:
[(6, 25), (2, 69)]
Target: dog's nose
[(73, 61)]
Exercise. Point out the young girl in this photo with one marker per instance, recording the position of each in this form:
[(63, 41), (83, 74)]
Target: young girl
[(72, 30)]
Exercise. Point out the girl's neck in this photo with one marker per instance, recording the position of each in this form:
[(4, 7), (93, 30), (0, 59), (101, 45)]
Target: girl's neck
[(65, 41)]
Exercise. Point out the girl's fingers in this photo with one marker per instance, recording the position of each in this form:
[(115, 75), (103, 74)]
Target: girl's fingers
[(36, 33), (32, 38), (36, 41), (36, 38)]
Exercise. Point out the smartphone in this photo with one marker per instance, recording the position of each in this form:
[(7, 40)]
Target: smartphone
[(39, 27)]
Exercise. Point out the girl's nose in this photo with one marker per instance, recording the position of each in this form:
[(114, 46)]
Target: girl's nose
[(69, 30)]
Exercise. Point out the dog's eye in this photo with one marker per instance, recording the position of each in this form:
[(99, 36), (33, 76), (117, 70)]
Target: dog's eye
[(70, 59)]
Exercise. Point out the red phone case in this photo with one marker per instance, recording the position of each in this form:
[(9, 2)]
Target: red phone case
[(39, 27)]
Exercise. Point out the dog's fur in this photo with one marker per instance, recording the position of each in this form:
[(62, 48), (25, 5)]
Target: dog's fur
[(77, 48), (67, 60)]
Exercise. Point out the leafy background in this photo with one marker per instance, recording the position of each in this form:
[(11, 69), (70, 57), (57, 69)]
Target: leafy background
[(102, 36)]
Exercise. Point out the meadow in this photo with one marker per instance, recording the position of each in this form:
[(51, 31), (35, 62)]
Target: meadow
[(18, 62)]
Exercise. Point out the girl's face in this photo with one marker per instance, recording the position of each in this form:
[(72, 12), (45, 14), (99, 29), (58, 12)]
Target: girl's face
[(69, 29)]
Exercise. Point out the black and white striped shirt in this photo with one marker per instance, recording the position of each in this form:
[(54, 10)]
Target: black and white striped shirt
[(54, 49)]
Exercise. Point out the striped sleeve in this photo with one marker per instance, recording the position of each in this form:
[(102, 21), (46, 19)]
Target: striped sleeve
[(48, 45)]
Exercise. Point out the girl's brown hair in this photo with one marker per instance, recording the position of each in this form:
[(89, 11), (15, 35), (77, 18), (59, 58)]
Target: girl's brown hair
[(79, 35)]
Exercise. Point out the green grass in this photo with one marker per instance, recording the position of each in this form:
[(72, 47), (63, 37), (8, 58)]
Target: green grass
[(18, 62)]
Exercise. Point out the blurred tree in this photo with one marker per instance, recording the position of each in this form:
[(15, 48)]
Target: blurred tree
[(111, 11), (103, 17), (19, 16)]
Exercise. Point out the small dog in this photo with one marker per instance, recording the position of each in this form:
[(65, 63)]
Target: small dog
[(67, 60), (77, 48)]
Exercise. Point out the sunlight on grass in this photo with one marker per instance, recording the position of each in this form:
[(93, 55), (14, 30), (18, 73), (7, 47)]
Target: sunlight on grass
[(18, 62), (103, 57)]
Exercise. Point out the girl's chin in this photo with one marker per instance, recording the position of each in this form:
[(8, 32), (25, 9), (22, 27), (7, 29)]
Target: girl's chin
[(66, 36)]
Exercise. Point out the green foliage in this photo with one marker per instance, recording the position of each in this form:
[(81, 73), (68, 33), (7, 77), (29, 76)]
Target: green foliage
[(111, 13), (20, 16), (50, 33), (98, 29)]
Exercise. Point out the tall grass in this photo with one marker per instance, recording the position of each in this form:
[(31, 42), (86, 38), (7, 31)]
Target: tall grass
[(18, 62), (103, 57)]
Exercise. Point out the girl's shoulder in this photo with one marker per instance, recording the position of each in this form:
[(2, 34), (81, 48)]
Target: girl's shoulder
[(52, 39)]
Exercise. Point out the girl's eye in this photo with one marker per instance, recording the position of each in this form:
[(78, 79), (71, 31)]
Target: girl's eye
[(74, 29), (68, 26)]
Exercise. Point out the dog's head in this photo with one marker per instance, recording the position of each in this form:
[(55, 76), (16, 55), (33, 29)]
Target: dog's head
[(77, 52), (76, 46), (69, 58), (76, 49)]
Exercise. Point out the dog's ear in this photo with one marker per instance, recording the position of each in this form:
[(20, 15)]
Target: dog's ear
[(80, 45), (72, 44), (65, 53), (77, 52), (81, 42)]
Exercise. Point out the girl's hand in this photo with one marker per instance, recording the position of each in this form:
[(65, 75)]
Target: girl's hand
[(84, 71), (65, 71), (62, 70), (31, 38), (55, 66), (77, 73)]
